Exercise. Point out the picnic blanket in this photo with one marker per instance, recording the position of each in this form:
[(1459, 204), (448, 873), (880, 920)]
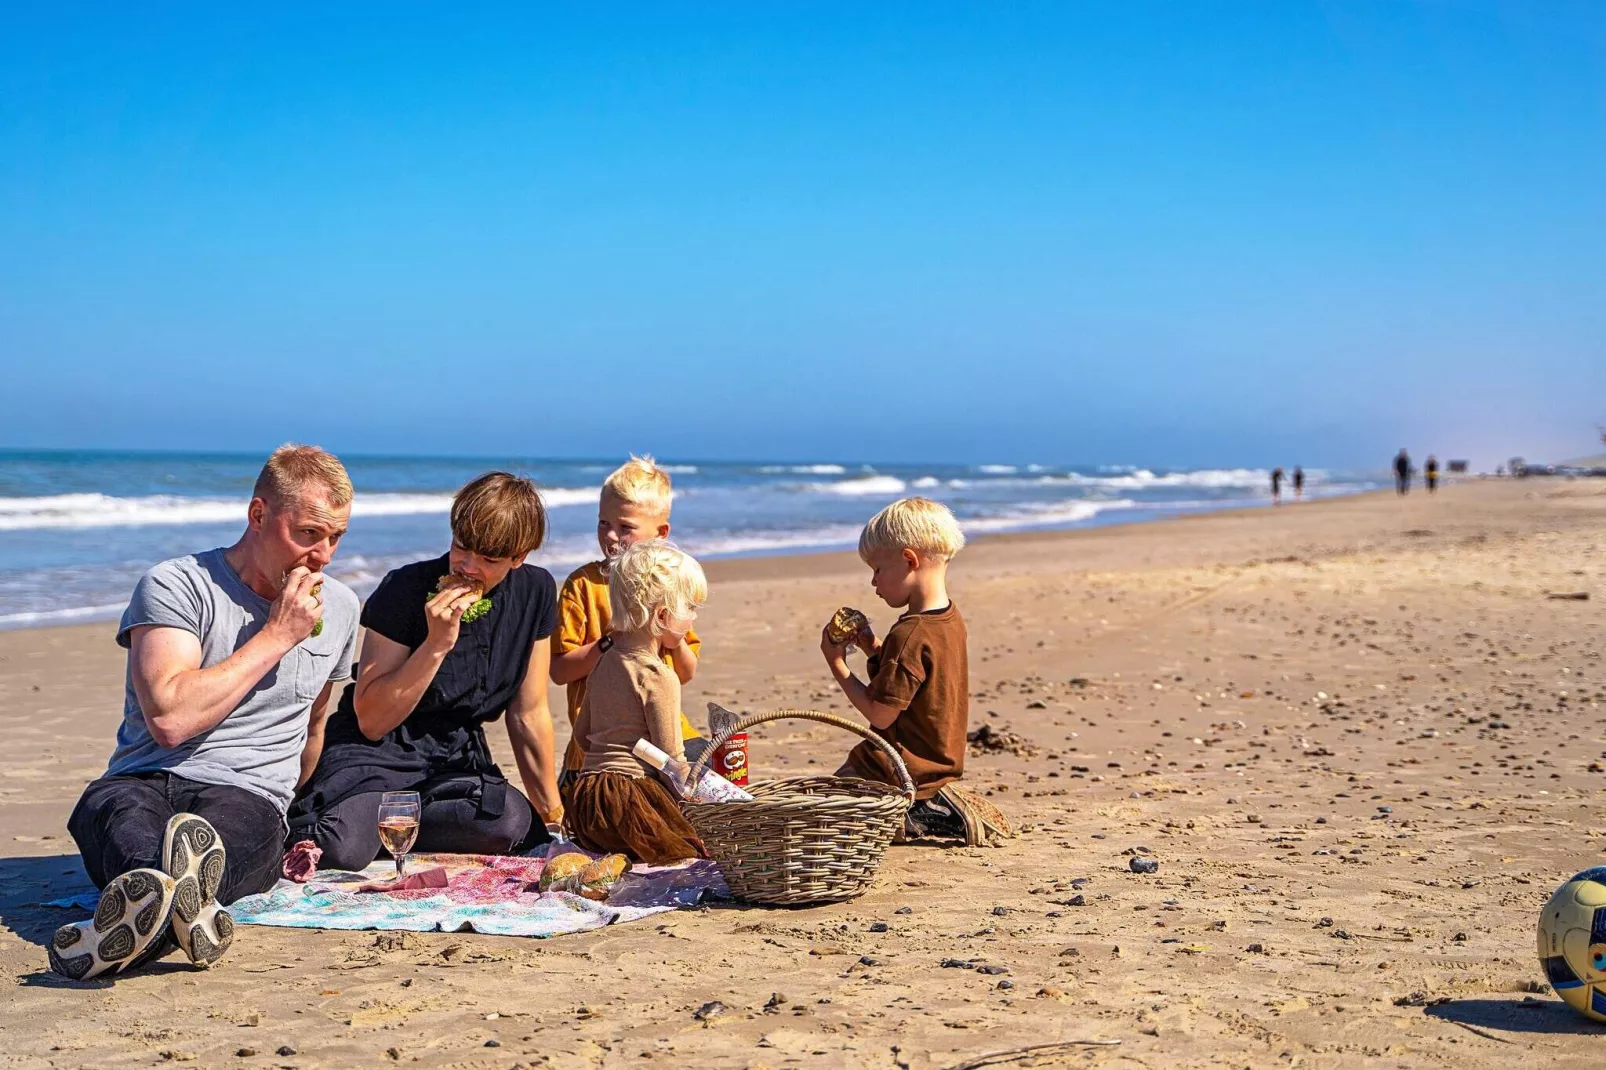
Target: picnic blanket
[(492, 894)]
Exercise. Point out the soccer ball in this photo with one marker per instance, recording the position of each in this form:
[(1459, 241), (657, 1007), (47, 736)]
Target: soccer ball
[(1572, 943)]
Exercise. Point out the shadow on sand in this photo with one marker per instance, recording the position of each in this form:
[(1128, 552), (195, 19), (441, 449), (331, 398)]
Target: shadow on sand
[(1529, 1015), (25, 886)]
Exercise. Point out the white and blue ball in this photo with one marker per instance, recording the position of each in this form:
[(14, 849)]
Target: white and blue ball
[(1572, 943)]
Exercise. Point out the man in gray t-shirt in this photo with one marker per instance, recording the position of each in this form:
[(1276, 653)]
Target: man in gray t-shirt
[(259, 745), (233, 659)]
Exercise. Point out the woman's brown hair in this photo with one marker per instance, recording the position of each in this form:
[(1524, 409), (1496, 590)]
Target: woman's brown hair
[(499, 515)]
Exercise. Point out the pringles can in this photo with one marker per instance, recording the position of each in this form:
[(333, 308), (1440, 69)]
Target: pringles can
[(730, 759)]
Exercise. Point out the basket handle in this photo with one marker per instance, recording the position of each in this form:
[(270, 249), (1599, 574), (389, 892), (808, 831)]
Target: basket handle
[(754, 719)]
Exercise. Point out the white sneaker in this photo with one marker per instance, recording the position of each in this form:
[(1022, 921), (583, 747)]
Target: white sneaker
[(130, 920), (193, 855)]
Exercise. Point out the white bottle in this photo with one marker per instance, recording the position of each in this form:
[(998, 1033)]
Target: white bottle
[(711, 788)]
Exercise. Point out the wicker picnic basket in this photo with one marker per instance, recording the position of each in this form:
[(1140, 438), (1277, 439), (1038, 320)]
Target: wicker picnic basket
[(802, 840)]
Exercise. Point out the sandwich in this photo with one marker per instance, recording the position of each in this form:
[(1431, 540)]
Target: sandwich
[(317, 625), (845, 624), (577, 874), (456, 583), (560, 871)]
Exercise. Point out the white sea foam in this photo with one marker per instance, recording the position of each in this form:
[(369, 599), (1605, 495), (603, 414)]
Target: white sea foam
[(804, 469), (1144, 479), (861, 485), (61, 616), (758, 542), (106, 511), (997, 469), (1048, 516)]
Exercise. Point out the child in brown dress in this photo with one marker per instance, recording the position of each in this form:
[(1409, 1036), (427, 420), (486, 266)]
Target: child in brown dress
[(617, 804)]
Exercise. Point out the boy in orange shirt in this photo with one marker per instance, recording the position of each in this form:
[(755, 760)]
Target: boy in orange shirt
[(634, 506)]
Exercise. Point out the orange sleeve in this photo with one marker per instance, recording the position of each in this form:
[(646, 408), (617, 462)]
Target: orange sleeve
[(572, 615)]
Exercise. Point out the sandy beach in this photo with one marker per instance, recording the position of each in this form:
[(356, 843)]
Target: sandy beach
[(1360, 738)]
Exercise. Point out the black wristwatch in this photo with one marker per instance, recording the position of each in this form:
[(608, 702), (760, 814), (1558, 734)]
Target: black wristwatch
[(605, 644)]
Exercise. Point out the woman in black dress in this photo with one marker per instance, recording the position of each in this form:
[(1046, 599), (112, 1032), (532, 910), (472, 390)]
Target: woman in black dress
[(429, 681)]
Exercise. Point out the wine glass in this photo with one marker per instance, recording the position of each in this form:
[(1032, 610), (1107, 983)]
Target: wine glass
[(398, 825)]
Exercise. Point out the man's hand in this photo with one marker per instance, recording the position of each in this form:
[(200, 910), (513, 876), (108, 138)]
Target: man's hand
[(298, 608), (443, 614)]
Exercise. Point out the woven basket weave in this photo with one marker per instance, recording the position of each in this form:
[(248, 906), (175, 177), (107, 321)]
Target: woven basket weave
[(801, 840)]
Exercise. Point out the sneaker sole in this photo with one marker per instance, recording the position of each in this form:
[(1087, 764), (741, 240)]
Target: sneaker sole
[(210, 936), (193, 855), (984, 822), (133, 911)]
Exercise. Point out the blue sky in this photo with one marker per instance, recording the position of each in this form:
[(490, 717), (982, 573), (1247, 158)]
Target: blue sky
[(1180, 233)]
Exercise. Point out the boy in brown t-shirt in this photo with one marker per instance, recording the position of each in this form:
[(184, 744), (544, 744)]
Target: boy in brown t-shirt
[(918, 697)]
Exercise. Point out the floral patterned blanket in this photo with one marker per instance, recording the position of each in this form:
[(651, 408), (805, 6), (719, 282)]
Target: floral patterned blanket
[(484, 893)]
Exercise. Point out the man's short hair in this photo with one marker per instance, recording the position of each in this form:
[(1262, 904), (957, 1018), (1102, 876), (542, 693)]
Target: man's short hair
[(499, 514), (641, 481), (293, 468), (918, 524), (651, 575)]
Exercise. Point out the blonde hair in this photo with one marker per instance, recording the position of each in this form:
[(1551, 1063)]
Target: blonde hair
[(918, 524), (641, 481), (651, 575), (499, 515), (292, 468)]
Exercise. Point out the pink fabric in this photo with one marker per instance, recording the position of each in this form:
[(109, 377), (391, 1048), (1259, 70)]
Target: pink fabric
[(479, 878), (421, 880), (301, 861)]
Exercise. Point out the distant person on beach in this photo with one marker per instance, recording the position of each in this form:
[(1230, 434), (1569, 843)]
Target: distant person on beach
[(1299, 482), (232, 657), (1430, 473), (1277, 485), (634, 506), (1402, 472), (453, 643)]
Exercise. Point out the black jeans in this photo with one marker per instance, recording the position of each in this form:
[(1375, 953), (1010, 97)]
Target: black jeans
[(119, 823), (454, 820)]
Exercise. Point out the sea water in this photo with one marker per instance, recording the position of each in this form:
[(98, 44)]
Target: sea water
[(78, 528)]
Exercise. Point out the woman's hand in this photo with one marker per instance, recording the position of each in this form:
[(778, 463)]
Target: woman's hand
[(443, 615)]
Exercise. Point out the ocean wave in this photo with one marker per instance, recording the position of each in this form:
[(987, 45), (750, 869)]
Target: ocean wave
[(1047, 516), (107, 511), (804, 469), (1144, 479), (861, 485), (30, 618), (735, 544), (997, 469)]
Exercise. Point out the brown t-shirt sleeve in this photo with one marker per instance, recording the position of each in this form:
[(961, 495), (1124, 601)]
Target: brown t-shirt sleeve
[(900, 669)]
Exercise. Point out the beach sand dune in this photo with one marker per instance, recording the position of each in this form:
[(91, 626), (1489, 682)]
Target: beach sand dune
[(1360, 739)]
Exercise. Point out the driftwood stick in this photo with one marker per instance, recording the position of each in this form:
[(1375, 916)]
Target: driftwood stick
[(1034, 1050)]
